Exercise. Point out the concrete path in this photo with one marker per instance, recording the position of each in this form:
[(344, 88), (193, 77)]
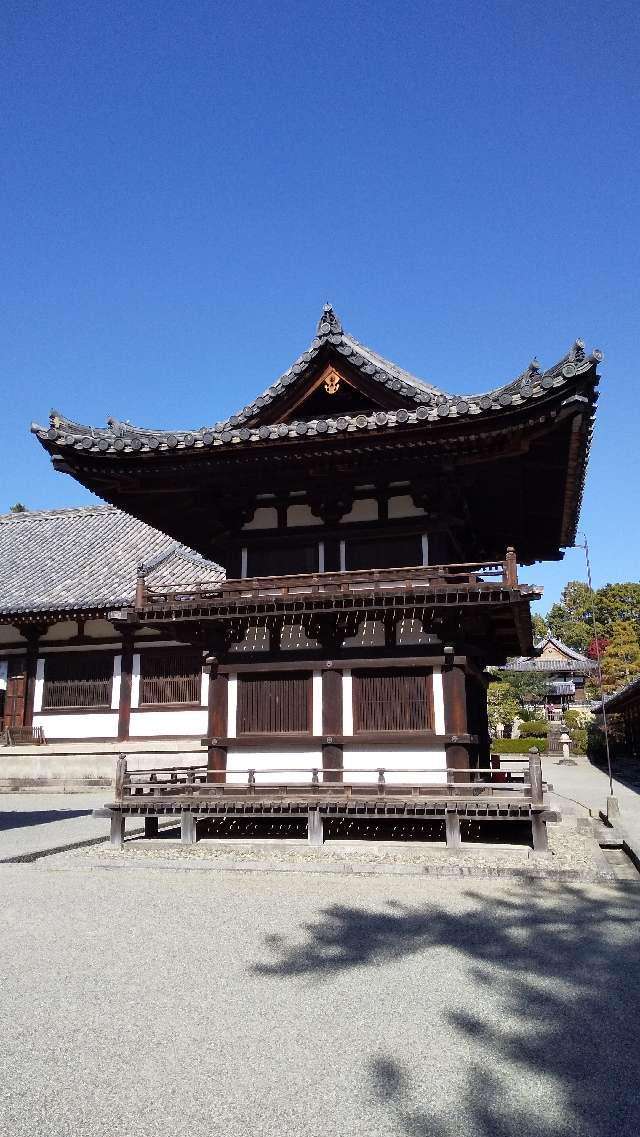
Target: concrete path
[(589, 785)]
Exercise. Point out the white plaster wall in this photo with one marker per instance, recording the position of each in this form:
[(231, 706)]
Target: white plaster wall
[(316, 726), (402, 506), (363, 509), (10, 635), (347, 702), (438, 701), (62, 631), (204, 688), (150, 724), (294, 637), (115, 685), (265, 517), (99, 629), (102, 724), (302, 515), (38, 692), (232, 706), (370, 634), (256, 639), (135, 680), (411, 632), (361, 763), (294, 765)]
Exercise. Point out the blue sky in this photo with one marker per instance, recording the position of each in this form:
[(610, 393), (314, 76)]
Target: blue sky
[(185, 184)]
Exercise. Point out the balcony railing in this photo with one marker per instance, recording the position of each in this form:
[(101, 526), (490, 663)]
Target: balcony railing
[(475, 574)]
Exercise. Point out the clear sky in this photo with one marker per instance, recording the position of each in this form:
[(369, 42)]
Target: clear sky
[(185, 183)]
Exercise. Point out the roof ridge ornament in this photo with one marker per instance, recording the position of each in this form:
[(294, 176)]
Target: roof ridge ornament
[(329, 323)]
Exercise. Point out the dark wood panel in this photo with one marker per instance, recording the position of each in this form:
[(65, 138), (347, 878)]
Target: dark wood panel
[(274, 703), (391, 699)]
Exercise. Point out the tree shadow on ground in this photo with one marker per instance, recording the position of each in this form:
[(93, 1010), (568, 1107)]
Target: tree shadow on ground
[(547, 1046), (19, 819)]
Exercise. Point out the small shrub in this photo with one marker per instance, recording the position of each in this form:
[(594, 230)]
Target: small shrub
[(536, 728), (517, 745)]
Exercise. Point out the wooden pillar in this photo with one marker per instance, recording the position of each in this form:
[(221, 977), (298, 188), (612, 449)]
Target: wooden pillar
[(126, 674), (217, 722), (187, 827), (539, 833), (32, 633), (332, 753), (452, 827), (455, 720), (151, 826), (117, 830), (315, 827)]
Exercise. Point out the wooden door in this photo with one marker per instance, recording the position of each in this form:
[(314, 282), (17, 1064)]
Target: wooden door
[(15, 695)]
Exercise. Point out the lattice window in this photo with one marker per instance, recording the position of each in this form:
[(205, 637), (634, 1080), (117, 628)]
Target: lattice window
[(78, 679), (170, 677), (391, 699), (274, 703)]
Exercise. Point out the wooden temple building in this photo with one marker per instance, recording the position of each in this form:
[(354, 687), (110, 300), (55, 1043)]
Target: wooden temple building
[(565, 670), (368, 528)]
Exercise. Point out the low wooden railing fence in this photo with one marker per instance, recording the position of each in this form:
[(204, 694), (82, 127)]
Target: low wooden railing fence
[(472, 574), (202, 782)]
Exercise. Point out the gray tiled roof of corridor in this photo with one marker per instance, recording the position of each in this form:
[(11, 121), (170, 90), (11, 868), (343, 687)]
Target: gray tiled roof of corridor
[(87, 557)]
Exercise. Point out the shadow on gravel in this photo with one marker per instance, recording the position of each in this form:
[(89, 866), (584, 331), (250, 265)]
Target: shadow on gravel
[(16, 819), (550, 1038)]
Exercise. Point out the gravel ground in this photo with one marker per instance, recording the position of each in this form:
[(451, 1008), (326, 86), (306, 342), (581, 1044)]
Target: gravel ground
[(571, 855), (34, 822), (148, 1003), (156, 1001)]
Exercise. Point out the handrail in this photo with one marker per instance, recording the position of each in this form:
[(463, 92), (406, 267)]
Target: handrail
[(137, 780), (470, 574)]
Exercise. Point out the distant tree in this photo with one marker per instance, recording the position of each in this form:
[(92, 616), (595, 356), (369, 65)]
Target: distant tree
[(571, 619), (621, 659), (502, 706), (539, 626), (526, 687), (18, 508), (597, 646), (618, 602)]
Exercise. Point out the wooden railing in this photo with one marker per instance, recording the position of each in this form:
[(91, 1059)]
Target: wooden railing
[(21, 735), (378, 581), (196, 781)]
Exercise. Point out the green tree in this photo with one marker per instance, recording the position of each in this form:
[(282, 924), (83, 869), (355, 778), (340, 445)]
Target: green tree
[(621, 660), (502, 706), (571, 619), (18, 508), (539, 627), (616, 602)]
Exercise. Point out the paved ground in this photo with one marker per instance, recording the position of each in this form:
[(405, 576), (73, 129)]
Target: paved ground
[(151, 1002)]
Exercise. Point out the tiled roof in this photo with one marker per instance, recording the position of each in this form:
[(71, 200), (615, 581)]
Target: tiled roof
[(424, 403), (87, 558), (617, 701), (576, 662)]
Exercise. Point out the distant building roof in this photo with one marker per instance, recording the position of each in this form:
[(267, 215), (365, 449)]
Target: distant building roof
[(619, 699), (86, 559), (574, 661)]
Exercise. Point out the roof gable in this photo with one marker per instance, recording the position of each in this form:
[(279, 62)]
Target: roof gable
[(335, 375)]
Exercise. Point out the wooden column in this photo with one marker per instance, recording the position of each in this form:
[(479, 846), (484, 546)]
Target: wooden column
[(332, 754), (32, 634), (455, 720), (315, 827), (217, 721), (126, 673)]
